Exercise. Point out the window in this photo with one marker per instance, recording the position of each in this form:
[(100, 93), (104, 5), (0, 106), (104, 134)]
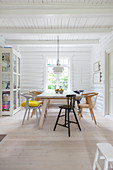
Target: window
[(58, 81)]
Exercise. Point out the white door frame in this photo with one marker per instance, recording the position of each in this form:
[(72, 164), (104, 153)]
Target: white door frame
[(106, 90), (106, 87)]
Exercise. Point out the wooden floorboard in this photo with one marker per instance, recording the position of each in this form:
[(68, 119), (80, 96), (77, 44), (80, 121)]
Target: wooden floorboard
[(28, 148)]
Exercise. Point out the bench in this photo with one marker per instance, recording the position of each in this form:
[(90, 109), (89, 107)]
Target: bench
[(104, 151)]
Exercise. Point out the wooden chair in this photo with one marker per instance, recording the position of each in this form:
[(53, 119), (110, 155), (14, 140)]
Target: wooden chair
[(68, 108), (89, 104), (30, 104)]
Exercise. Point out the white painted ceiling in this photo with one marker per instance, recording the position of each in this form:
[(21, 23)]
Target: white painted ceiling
[(34, 22), (97, 2)]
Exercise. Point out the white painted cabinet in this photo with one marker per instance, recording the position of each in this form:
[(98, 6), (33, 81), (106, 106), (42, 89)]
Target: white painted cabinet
[(9, 81)]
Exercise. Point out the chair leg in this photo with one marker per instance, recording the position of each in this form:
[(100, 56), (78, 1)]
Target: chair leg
[(57, 119), (33, 112), (39, 110), (65, 116), (92, 116), (81, 110), (106, 165), (24, 116), (96, 159), (111, 165), (78, 102), (36, 115), (77, 120), (28, 114), (68, 124), (91, 112)]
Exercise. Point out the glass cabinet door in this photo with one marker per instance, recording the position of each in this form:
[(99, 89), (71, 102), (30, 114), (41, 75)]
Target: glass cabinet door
[(5, 62), (14, 100), (14, 63), (5, 101), (19, 98), (14, 81), (5, 80), (5, 70), (10, 81), (18, 81), (18, 63)]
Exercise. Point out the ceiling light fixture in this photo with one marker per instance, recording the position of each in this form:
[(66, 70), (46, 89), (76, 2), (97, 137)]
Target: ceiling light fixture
[(58, 69)]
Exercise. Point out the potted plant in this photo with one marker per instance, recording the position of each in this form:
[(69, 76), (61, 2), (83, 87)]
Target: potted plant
[(61, 91), (56, 90)]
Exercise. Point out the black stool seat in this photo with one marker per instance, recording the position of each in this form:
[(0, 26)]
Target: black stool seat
[(68, 108), (65, 107)]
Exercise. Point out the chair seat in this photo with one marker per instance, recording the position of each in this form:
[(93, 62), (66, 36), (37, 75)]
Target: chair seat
[(31, 103), (65, 107), (84, 105)]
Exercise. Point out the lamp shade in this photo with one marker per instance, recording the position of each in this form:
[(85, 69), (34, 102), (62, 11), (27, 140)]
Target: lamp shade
[(58, 69)]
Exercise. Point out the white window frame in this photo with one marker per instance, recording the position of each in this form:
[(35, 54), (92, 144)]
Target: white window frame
[(64, 65)]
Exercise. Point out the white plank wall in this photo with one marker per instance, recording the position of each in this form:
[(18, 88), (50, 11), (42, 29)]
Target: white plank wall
[(98, 54), (99, 88), (81, 71), (32, 71), (2, 41)]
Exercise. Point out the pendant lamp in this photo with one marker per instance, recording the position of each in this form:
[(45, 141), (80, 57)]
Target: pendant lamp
[(58, 69)]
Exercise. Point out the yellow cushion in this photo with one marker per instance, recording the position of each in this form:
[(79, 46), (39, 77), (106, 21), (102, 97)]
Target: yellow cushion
[(31, 103)]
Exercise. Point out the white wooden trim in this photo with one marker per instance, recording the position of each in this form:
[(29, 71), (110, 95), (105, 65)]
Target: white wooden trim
[(106, 91), (50, 42), (55, 30), (70, 73), (45, 74), (56, 10)]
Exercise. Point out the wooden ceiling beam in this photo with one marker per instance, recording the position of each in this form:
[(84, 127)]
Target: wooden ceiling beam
[(61, 9), (37, 42), (55, 30)]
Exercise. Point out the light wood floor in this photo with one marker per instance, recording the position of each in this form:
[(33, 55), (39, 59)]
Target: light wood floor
[(27, 148)]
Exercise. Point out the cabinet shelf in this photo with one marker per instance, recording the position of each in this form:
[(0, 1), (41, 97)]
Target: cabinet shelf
[(4, 72), (5, 89)]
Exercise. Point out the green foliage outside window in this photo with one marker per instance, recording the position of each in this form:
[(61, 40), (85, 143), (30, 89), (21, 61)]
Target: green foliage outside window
[(63, 78), (52, 80)]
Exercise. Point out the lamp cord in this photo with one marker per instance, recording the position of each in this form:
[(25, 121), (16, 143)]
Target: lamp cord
[(58, 62)]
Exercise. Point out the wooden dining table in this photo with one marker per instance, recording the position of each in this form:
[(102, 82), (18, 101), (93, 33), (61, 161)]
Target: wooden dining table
[(48, 95)]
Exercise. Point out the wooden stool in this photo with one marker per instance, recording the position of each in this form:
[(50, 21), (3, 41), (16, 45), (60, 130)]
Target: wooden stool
[(68, 108), (104, 151)]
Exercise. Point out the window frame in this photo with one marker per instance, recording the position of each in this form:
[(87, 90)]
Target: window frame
[(52, 65)]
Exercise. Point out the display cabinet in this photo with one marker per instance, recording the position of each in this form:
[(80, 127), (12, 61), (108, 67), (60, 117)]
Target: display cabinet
[(9, 81)]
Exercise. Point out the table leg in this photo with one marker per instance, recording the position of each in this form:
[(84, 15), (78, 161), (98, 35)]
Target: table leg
[(43, 113), (48, 103)]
